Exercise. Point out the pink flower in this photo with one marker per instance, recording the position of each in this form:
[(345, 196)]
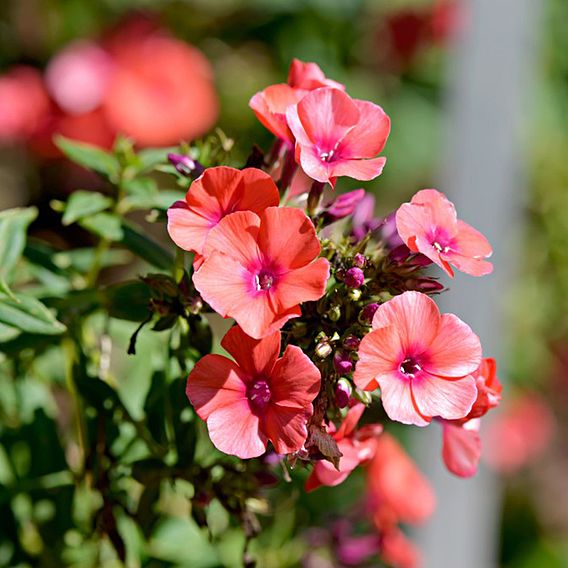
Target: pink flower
[(357, 447), (215, 194), (256, 399), (338, 136), (270, 105), (429, 225), (397, 491), (259, 268), (421, 360), (461, 447), (397, 551), (309, 76)]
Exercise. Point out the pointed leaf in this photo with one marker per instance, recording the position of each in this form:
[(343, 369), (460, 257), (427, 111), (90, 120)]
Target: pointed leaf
[(89, 157), (84, 204), (30, 315)]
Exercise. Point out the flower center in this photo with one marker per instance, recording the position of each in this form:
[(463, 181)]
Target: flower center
[(409, 367), (439, 247), (327, 156), (264, 280), (259, 394)]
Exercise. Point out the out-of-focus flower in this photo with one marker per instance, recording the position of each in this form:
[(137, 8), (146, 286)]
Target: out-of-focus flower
[(217, 193), (398, 551), (270, 104), (161, 91), (364, 220), (421, 360), (77, 77), (24, 104), (258, 269), (397, 492), (519, 434), (429, 225), (357, 447), (338, 136), (257, 398)]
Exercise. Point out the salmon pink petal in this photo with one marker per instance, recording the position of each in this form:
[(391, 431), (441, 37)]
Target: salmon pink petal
[(236, 236), (399, 402), (186, 228), (470, 242), (295, 380), (236, 431), (449, 399), (441, 208), (270, 108), (325, 473), (286, 427), (369, 136), (288, 237), (461, 449), (215, 382), (304, 75), (471, 266), (350, 421), (303, 285), (310, 161), (397, 550), (415, 316), (326, 115), (255, 357), (363, 170), (378, 355), (455, 351)]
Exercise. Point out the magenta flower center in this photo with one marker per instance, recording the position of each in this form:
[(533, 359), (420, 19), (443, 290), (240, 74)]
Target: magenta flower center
[(327, 156), (264, 280), (258, 394), (410, 367)]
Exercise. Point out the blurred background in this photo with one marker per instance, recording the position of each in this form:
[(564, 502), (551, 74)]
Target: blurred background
[(478, 97)]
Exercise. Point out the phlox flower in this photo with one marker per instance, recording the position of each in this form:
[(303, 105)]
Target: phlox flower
[(398, 551), (396, 490), (270, 104), (338, 136), (429, 225), (421, 360), (461, 447), (256, 398), (218, 192), (259, 268), (357, 447)]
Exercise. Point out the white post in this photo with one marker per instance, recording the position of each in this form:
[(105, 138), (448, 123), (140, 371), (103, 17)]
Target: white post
[(483, 175)]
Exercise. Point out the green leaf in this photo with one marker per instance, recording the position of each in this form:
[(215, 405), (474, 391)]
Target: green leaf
[(8, 332), (89, 157), (13, 226), (84, 204), (30, 315), (146, 248), (106, 225), (152, 157)]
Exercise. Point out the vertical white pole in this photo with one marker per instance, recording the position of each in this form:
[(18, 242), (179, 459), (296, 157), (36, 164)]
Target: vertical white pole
[(483, 167)]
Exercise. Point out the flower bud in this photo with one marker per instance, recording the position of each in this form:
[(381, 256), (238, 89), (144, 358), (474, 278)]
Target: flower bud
[(323, 349), (334, 313), (342, 393), (351, 343), (343, 205), (355, 295), (367, 313), (364, 396), (354, 277), (185, 165), (399, 254), (359, 260), (342, 362), (425, 285)]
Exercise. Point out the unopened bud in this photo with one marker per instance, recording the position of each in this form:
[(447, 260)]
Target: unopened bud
[(351, 343), (299, 329), (334, 313), (355, 295), (367, 313), (343, 393), (342, 362), (359, 260), (354, 277), (425, 285), (363, 396), (323, 349), (399, 254), (185, 165)]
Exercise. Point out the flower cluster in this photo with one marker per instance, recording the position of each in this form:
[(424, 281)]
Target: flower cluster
[(333, 306)]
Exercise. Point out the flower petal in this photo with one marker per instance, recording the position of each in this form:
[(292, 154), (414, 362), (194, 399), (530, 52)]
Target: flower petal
[(255, 357), (305, 284), (461, 449), (399, 402), (186, 228), (286, 427), (362, 170), (455, 351)]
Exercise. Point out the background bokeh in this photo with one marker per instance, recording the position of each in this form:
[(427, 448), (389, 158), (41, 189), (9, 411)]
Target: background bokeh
[(395, 53)]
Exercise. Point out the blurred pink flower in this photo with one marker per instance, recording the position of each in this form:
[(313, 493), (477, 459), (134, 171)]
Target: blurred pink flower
[(429, 225), (421, 360), (398, 551), (338, 136), (357, 447), (256, 399), (258, 269), (24, 104)]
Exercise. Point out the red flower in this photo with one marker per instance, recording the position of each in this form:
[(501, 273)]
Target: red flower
[(338, 136), (309, 76), (429, 225), (421, 360), (215, 194), (357, 447), (258, 269), (256, 399)]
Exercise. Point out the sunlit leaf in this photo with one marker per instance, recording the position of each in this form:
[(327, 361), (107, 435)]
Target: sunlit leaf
[(84, 204)]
